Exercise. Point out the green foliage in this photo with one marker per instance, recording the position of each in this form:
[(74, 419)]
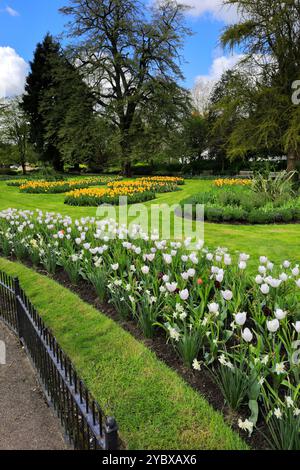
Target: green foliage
[(274, 187), (14, 134), (233, 383), (266, 203), (265, 118), (136, 64)]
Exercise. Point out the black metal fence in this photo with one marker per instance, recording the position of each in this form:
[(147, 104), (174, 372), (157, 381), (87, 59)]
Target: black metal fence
[(82, 418)]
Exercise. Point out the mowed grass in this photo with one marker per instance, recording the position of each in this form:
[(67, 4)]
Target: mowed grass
[(278, 242), (154, 407)]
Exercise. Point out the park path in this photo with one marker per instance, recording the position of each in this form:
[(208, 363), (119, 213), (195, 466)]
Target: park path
[(26, 421)]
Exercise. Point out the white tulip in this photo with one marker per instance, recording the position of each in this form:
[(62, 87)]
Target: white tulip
[(171, 286), (184, 294), (259, 279), (263, 260), (265, 289), (262, 270), (247, 335), (166, 278), (280, 314), (209, 256), (145, 270), (296, 271), (227, 260), (227, 295), (298, 283), (283, 277), (273, 325), (242, 265), (244, 257), (286, 264), (115, 267), (213, 308), (185, 276), (297, 326), (275, 283), (191, 272), (167, 258), (241, 318)]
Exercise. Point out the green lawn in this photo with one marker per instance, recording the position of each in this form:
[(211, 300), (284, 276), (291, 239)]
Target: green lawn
[(154, 407), (278, 242)]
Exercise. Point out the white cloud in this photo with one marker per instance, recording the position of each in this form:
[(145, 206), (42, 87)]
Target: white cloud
[(215, 8), (220, 65), (204, 83), (12, 12), (13, 71)]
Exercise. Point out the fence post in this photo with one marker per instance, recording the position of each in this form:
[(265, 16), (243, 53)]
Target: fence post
[(18, 307), (111, 437)]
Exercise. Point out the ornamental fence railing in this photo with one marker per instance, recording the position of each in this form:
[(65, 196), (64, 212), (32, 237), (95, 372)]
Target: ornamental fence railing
[(83, 420)]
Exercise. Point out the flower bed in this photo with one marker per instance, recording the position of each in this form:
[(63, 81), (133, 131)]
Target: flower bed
[(55, 187), (244, 328), (232, 182), (139, 190), (17, 183), (159, 184), (239, 204), (97, 196)]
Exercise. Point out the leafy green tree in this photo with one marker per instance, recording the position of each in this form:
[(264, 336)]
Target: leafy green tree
[(268, 34), (14, 133), (129, 53)]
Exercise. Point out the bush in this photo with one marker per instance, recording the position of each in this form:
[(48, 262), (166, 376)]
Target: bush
[(242, 205)]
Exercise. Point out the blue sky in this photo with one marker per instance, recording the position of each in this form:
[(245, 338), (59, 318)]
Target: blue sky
[(23, 23)]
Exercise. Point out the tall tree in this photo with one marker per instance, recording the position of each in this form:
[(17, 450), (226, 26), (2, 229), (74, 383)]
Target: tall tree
[(67, 108), (38, 82), (268, 33), (128, 51), (14, 132)]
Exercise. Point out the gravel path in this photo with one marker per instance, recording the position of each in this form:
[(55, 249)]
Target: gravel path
[(26, 421)]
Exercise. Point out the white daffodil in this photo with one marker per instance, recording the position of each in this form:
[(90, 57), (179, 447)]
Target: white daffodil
[(246, 425), (280, 368), (196, 365), (278, 413)]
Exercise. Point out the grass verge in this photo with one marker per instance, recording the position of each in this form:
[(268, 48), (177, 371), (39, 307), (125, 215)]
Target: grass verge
[(154, 407)]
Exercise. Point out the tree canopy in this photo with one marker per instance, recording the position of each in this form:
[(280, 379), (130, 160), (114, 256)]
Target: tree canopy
[(130, 54)]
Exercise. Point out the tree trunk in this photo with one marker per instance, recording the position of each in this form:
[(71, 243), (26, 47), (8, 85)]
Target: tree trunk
[(23, 168), (127, 170), (293, 160)]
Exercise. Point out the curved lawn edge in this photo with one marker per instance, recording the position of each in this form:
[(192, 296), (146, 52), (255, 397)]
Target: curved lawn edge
[(154, 407)]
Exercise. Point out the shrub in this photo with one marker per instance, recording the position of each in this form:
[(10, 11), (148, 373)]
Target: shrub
[(240, 204)]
